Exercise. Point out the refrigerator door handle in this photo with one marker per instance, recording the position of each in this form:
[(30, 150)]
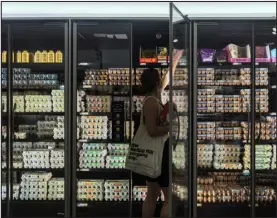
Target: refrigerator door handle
[(248, 126)]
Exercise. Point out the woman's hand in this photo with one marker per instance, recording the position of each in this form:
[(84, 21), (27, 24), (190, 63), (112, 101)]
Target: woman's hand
[(177, 54)]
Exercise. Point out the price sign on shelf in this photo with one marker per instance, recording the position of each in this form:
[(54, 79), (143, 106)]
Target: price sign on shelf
[(118, 121)]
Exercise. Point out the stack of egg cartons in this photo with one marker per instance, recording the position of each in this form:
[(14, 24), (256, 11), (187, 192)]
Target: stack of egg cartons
[(59, 128), (18, 102), (56, 189), (36, 102), (28, 129), (179, 157), (183, 125), (137, 103), (98, 103), (116, 155), (80, 101), (273, 161), (263, 157), (180, 98), (90, 190), (34, 185), (94, 127), (45, 127), (57, 158), (36, 158), (92, 155), (4, 132), (18, 148), (116, 190), (180, 191), (4, 102), (227, 156), (4, 77), (139, 193), (44, 145), (205, 155), (58, 100), (16, 188), (3, 155)]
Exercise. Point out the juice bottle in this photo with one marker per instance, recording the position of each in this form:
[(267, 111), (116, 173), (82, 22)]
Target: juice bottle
[(18, 57), (37, 57), (44, 56), (51, 57), (4, 56), (25, 57), (59, 57)]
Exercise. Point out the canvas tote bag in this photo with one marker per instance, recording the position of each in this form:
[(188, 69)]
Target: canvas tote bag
[(145, 153)]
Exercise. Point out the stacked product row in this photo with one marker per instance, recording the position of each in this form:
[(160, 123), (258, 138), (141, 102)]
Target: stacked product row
[(41, 186), (235, 130), (32, 150), (140, 192), (101, 155), (24, 78), (34, 57), (231, 77), (209, 102), (236, 54), (99, 190), (31, 101), (225, 188), (265, 157), (90, 103), (121, 76), (37, 186), (52, 127), (104, 77), (233, 156)]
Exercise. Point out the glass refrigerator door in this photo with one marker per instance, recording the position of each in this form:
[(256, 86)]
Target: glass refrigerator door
[(265, 126), (178, 93), (102, 125), (224, 115), (4, 118), (38, 115)]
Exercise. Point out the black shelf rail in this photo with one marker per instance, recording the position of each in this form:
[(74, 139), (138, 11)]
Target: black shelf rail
[(51, 67)]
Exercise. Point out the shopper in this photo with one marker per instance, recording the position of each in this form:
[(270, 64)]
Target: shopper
[(153, 85)]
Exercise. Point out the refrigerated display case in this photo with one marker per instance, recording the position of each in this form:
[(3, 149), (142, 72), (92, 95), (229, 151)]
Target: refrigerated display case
[(36, 136), (102, 124), (220, 91), (234, 119)]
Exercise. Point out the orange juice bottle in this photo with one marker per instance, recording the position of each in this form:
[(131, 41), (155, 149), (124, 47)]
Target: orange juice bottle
[(44, 57), (59, 57), (37, 57), (18, 57), (25, 57), (4, 56), (51, 57)]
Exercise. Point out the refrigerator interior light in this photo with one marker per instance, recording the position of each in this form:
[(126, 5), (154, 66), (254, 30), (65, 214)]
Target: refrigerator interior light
[(121, 36), (175, 40)]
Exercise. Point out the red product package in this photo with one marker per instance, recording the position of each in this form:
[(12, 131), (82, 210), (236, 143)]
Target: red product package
[(164, 112)]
